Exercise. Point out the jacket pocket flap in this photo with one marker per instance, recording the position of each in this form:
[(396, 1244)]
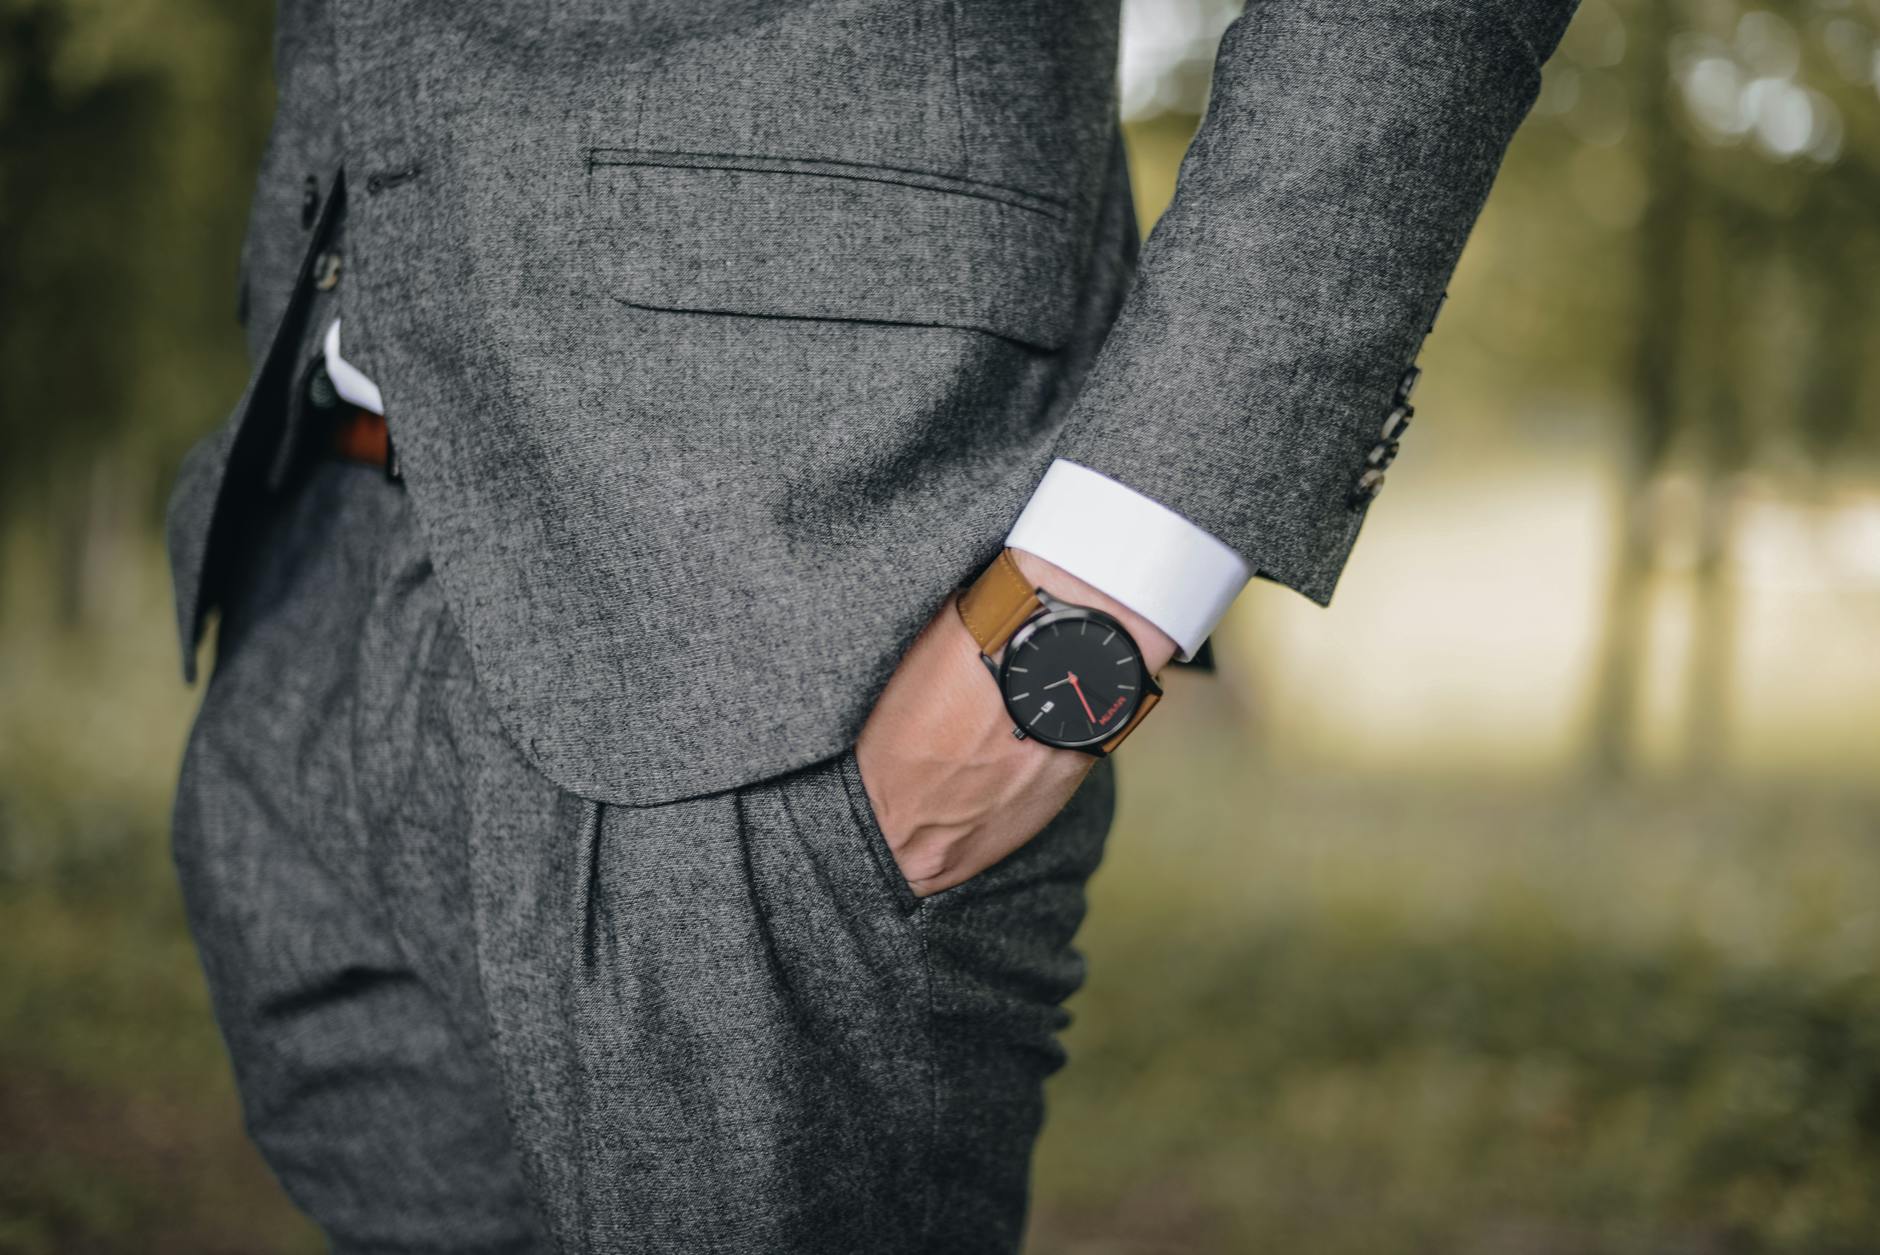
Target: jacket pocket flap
[(779, 238)]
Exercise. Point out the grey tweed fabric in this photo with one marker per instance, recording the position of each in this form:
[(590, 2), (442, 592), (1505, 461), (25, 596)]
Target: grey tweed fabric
[(471, 1011), (721, 340)]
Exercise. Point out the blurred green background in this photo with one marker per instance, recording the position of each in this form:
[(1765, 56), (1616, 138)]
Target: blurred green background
[(1528, 900)]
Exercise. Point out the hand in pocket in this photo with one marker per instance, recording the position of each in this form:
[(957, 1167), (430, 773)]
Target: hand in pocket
[(952, 789)]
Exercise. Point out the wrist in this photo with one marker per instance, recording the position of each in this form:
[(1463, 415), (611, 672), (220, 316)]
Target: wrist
[(1156, 645)]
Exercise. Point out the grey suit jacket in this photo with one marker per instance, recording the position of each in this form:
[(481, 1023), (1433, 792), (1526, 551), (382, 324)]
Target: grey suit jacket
[(721, 340)]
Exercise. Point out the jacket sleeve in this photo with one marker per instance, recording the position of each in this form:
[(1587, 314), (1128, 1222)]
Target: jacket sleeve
[(1318, 215)]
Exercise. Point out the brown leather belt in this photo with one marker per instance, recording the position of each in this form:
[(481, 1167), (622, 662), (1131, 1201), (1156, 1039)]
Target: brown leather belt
[(362, 436)]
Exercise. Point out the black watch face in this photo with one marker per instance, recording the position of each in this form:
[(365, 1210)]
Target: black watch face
[(1072, 678)]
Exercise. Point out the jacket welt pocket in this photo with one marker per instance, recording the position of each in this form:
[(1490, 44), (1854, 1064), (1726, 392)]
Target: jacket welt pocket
[(829, 240)]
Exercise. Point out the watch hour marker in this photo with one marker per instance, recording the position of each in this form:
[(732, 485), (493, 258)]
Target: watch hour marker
[(1125, 658), (1130, 687), (1109, 638), (1020, 670), (1019, 697), (1035, 718)]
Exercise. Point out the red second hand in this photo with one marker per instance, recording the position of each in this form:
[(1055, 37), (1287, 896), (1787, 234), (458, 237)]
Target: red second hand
[(1072, 675)]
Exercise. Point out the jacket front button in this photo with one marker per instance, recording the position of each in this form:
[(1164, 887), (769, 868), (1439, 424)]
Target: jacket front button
[(1370, 483), (321, 394), (326, 271), (1407, 386)]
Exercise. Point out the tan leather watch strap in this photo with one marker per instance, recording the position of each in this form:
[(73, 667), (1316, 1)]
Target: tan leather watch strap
[(998, 603)]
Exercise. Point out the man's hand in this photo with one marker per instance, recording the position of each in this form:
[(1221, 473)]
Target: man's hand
[(953, 789)]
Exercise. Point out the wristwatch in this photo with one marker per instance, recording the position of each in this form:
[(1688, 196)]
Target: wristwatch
[(1072, 676)]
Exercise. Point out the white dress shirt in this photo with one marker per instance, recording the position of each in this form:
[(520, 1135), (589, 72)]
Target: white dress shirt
[(1171, 572), (1176, 575), (348, 380)]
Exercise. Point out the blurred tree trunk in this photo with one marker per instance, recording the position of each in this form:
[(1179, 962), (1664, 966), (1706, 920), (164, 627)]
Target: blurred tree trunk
[(1840, 351), (69, 515), (1728, 297), (95, 512), (134, 131), (1662, 270)]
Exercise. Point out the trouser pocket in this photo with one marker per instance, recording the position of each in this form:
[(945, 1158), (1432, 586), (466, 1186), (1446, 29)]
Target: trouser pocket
[(751, 1028), (844, 775)]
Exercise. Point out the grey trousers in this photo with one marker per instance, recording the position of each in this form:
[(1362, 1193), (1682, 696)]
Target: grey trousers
[(471, 1012)]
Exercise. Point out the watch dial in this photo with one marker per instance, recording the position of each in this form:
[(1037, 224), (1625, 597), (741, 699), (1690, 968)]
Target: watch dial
[(1073, 678)]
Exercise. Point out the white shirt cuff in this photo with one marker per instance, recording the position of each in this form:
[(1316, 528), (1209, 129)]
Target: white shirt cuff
[(348, 380), (1174, 574)]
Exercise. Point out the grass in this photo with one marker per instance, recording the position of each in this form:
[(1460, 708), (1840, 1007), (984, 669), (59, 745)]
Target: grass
[(1325, 1014), (1374, 1016)]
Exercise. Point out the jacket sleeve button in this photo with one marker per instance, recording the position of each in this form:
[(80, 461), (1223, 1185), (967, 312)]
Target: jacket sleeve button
[(1397, 422), (1367, 488)]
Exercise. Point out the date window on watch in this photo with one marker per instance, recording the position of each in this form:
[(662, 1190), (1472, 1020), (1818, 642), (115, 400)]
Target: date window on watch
[(1042, 712)]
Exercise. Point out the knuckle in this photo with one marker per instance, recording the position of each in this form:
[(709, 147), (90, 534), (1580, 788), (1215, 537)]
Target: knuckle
[(927, 867)]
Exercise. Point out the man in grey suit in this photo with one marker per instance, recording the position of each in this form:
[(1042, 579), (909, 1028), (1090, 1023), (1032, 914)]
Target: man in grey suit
[(716, 482)]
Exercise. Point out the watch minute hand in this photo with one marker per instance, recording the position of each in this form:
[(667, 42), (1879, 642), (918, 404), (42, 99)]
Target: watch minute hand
[(1079, 690)]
